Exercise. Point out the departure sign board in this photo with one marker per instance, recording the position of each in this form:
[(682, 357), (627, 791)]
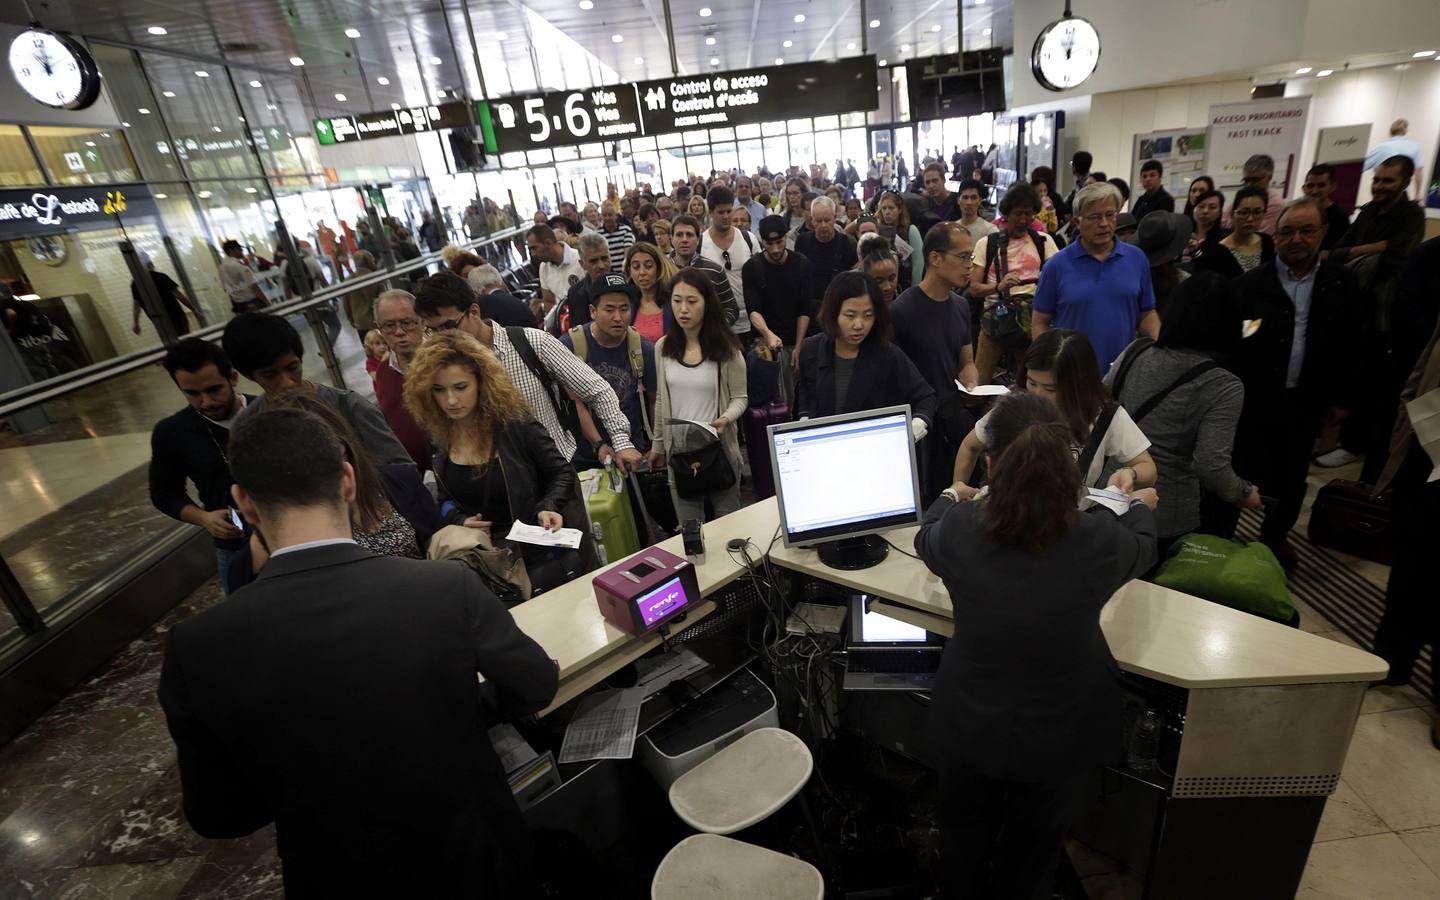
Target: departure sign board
[(713, 100), (406, 120)]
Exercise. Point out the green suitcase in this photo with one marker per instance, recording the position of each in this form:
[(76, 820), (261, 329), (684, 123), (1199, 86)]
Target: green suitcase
[(612, 518)]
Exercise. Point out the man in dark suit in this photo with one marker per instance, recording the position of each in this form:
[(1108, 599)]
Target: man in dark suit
[(336, 696), (1298, 366)]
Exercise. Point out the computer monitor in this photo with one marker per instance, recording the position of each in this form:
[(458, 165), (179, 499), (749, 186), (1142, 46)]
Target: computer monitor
[(841, 480)]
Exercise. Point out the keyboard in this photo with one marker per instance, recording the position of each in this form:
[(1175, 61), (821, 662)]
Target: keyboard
[(898, 662)]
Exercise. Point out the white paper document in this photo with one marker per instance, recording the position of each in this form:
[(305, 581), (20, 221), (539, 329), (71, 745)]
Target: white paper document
[(604, 726), (512, 749), (658, 672), (983, 390), (1424, 412), (534, 534), (1112, 500)]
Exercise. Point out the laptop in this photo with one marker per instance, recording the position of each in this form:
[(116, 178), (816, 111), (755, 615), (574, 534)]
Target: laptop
[(886, 654)]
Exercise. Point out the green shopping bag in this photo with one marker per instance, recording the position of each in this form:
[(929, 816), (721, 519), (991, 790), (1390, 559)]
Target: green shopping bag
[(1246, 577)]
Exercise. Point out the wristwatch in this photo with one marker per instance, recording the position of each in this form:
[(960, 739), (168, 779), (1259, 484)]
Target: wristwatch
[(950, 492)]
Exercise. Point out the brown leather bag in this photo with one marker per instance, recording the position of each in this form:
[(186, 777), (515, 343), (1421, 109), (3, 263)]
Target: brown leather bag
[(1349, 517)]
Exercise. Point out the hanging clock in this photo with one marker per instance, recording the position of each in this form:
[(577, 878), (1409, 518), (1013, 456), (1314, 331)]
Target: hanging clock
[(54, 68), (1065, 53)]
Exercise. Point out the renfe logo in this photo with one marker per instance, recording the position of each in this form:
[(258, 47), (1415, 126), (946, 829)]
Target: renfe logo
[(661, 602)]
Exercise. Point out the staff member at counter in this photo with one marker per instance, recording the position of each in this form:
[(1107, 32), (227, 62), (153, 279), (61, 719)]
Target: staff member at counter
[(1027, 703)]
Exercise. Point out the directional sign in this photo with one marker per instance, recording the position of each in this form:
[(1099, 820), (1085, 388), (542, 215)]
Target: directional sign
[(407, 120), (721, 99)]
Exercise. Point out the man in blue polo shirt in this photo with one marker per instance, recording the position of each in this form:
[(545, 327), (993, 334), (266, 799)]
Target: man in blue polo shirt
[(1097, 285)]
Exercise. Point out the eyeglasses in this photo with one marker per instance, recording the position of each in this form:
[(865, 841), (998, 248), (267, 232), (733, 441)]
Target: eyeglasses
[(1248, 213), (963, 257), (1108, 215), (399, 326), (725, 254), (449, 324), (1307, 232)]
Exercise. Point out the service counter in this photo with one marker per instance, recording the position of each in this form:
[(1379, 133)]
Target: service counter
[(1263, 713)]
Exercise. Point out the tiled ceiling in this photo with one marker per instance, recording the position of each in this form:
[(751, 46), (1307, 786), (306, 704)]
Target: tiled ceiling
[(399, 39)]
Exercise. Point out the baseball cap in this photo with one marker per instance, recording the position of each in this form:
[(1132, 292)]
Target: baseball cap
[(773, 228), (615, 284)]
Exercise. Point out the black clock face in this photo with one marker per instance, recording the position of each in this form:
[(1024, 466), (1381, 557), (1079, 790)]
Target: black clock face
[(1065, 54), (55, 69)]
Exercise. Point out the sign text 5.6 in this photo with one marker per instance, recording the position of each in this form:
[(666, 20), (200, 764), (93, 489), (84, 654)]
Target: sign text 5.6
[(576, 116)]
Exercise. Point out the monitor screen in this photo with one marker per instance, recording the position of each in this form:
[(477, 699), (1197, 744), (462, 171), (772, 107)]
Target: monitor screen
[(880, 629), (845, 476), (661, 603)]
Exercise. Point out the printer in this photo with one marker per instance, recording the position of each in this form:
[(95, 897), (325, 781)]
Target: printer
[(720, 717)]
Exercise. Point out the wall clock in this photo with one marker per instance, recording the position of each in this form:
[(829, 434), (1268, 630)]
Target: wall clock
[(54, 68), (1066, 52)]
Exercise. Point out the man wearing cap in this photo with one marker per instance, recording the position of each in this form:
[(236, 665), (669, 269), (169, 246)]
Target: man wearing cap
[(610, 346), (778, 297), (1163, 236)]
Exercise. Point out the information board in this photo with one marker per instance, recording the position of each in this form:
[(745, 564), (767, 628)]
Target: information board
[(715, 100), (390, 122)]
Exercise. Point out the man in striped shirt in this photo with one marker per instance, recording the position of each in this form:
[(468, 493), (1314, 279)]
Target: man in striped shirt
[(618, 236)]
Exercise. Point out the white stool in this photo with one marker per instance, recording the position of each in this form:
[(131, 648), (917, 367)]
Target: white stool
[(711, 867), (744, 783)]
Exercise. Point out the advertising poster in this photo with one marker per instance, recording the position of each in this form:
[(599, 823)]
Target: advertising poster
[(1275, 127), (1343, 147), (1181, 151)]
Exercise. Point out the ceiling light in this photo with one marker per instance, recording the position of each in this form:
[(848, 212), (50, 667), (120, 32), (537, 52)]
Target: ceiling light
[(241, 118), (255, 84), (904, 48), (882, 63), (157, 30), (394, 106), (1324, 73), (502, 36), (934, 29), (874, 23), (143, 111), (124, 124), (251, 191), (435, 60), (352, 33), (714, 60), (167, 93), (617, 38), (382, 81), (215, 128), (1303, 70), (787, 44), (850, 46), (704, 12), (162, 196), (201, 73), (272, 107), (340, 97), (985, 33), (89, 143), (799, 17), (1421, 54), (979, 2), (587, 4), (205, 195), (779, 61), (296, 61), (710, 41)]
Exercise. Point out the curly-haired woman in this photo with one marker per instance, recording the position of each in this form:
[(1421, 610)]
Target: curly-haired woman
[(496, 465)]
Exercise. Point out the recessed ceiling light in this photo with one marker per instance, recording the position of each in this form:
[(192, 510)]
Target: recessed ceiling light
[(587, 4), (714, 60), (167, 93), (89, 143), (904, 48), (502, 36), (617, 38), (710, 41), (352, 33), (205, 195), (1324, 73), (382, 81), (255, 84), (779, 61), (985, 33), (787, 44), (934, 29), (394, 106), (850, 46), (1303, 70), (882, 63), (341, 97), (874, 23), (124, 124), (272, 107), (704, 12), (157, 30), (162, 196), (296, 61), (799, 17), (241, 118), (215, 128), (435, 60), (143, 111), (201, 73), (639, 60), (1421, 54), (251, 191)]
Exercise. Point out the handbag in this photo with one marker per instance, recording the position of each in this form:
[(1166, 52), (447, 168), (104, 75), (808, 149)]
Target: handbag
[(1246, 577), (699, 472), (1350, 517)]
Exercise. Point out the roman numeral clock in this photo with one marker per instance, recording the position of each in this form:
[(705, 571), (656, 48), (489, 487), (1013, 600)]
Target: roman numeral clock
[(1066, 52), (54, 68)]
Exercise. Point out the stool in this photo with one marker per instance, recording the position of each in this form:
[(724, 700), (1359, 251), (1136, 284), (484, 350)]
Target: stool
[(711, 867), (743, 784)]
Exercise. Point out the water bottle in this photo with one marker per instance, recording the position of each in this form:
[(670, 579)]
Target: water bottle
[(1145, 742)]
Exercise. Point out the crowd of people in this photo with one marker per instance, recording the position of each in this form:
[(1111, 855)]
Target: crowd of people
[(1189, 361)]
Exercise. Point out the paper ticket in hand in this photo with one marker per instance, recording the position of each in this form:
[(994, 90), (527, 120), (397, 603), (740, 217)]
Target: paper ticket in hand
[(983, 390), (534, 534)]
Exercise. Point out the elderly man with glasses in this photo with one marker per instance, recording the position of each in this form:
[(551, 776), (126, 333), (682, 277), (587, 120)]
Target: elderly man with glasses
[(1097, 285), (403, 331)]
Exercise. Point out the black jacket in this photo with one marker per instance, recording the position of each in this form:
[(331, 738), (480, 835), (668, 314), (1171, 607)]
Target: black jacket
[(1327, 376), (1027, 689), (336, 696), (188, 445), (883, 376), (1213, 257), (537, 478)]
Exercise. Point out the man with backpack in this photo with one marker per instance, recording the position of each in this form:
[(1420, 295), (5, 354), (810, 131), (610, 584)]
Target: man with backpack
[(611, 346), (1006, 281), (548, 375)]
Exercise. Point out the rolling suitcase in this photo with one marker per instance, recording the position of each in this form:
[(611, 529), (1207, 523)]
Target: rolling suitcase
[(757, 444), (1348, 517), (612, 521)]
